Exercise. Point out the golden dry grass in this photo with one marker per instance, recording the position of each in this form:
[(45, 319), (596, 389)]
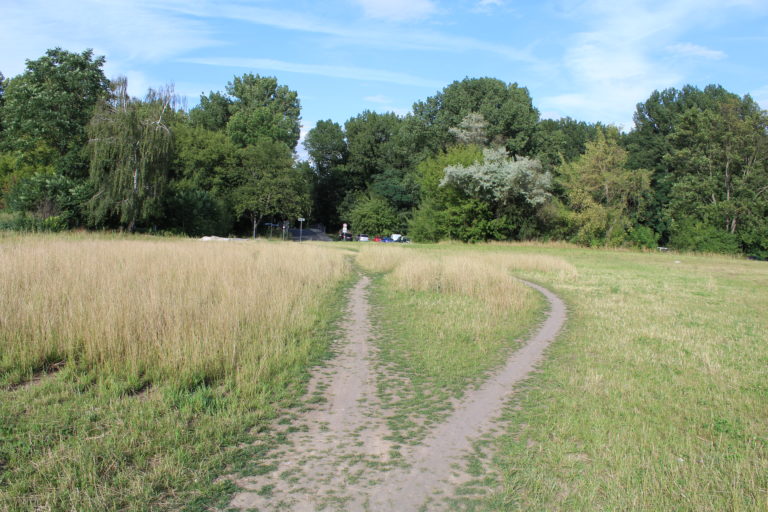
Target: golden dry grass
[(184, 308), (456, 312), (483, 276)]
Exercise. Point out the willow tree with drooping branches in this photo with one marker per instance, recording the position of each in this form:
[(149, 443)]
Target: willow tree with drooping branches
[(131, 146)]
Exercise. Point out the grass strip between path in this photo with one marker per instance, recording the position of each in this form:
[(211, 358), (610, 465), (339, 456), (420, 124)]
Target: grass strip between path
[(445, 320)]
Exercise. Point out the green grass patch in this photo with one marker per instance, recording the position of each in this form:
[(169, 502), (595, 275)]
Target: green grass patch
[(654, 398), (434, 344)]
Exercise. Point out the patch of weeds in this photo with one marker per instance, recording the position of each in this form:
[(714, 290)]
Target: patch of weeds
[(291, 475), (266, 490), (256, 468)]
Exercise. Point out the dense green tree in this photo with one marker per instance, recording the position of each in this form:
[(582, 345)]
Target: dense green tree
[(558, 140), (506, 108), (195, 212), (203, 159), (473, 220), (398, 186), (49, 200), (262, 108), (269, 184), (51, 104), (371, 143), (131, 147), (202, 171), (649, 143), (374, 216), (18, 165), (720, 158), (327, 149), (326, 146), (658, 116), (213, 112), (381, 158)]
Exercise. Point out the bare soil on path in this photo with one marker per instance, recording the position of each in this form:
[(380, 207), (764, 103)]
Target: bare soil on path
[(337, 456)]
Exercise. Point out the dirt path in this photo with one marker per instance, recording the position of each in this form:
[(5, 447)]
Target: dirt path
[(337, 456)]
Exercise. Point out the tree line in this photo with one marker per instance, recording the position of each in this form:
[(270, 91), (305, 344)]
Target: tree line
[(473, 162)]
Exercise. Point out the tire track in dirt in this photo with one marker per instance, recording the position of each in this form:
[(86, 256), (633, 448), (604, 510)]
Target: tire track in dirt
[(338, 458), (339, 440)]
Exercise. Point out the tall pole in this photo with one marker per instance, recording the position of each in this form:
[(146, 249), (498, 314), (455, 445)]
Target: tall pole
[(301, 228)]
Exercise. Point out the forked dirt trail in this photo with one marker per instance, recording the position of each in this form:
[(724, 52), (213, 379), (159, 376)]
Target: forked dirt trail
[(337, 456)]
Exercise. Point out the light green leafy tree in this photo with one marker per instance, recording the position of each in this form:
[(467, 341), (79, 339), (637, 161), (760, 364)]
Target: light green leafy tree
[(604, 196), (374, 216), (131, 145)]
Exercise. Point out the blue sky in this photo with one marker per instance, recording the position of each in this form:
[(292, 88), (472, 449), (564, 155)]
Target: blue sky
[(592, 60)]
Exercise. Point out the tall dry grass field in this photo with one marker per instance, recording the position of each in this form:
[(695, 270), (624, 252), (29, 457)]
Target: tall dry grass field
[(480, 275), (480, 289), (182, 310), (169, 351)]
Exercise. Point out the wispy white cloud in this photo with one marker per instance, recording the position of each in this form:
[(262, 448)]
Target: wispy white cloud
[(139, 31), (397, 10), (347, 72), (377, 99), (614, 65), (130, 31), (488, 6), (384, 104), (359, 34), (694, 50)]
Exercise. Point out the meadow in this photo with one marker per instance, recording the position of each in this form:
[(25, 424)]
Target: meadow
[(130, 364), (134, 371), (654, 398)]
